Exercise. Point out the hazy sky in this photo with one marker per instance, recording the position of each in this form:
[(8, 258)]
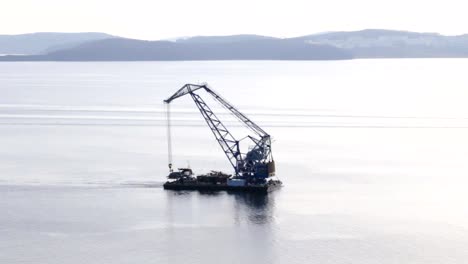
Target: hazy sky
[(153, 19)]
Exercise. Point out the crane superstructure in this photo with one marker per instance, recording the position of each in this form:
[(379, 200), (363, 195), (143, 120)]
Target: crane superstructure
[(254, 165)]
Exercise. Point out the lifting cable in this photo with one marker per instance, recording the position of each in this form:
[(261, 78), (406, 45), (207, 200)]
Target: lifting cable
[(169, 141)]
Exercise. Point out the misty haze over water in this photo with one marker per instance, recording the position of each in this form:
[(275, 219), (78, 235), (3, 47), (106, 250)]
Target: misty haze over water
[(372, 154)]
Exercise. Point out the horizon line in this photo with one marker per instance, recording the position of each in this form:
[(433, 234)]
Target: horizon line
[(230, 35)]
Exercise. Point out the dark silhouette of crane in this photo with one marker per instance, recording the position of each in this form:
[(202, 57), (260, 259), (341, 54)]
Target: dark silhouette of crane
[(254, 165)]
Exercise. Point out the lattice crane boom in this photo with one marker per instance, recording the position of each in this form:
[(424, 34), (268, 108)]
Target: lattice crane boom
[(258, 162)]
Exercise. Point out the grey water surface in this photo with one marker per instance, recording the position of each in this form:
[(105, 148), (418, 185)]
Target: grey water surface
[(373, 155)]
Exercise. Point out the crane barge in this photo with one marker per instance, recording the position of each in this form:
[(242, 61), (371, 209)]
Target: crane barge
[(253, 169)]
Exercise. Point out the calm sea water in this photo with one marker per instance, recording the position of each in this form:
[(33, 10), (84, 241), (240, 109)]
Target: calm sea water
[(373, 155)]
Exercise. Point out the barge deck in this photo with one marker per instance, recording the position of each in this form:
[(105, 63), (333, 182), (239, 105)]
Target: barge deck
[(201, 186)]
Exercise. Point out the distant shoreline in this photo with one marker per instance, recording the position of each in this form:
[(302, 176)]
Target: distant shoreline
[(252, 60), (340, 45)]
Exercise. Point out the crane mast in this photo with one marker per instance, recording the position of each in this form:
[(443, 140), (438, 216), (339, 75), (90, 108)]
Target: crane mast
[(257, 163)]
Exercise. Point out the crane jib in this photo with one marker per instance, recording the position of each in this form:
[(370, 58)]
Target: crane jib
[(257, 163)]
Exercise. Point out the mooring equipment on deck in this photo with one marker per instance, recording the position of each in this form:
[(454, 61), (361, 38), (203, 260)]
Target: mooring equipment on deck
[(257, 163)]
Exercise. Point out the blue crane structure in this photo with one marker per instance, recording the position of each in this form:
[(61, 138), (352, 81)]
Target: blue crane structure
[(257, 163)]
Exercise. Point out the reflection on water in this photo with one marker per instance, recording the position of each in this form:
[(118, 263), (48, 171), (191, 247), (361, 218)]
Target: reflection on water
[(257, 208), (212, 225), (252, 207)]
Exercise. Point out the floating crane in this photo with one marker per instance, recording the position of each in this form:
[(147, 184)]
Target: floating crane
[(252, 168)]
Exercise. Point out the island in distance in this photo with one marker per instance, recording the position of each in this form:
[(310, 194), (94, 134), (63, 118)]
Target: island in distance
[(371, 43)]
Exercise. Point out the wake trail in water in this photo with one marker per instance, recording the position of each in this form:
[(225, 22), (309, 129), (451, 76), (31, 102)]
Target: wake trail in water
[(59, 115)]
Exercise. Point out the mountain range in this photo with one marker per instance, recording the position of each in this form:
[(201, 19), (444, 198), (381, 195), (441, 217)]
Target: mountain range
[(43, 43), (370, 43)]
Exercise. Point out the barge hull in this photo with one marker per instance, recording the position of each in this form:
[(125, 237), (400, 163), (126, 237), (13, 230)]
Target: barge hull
[(220, 187)]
